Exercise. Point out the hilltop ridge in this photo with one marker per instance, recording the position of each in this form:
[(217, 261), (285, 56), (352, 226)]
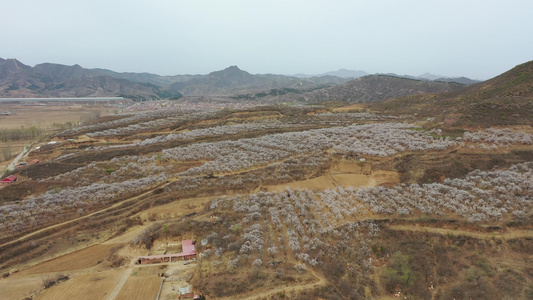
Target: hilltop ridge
[(503, 100), (372, 88)]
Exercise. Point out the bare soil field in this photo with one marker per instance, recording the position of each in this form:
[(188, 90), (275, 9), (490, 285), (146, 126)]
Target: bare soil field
[(45, 116), (18, 287), (86, 258), (324, 182), (89, 286), (140, 286)]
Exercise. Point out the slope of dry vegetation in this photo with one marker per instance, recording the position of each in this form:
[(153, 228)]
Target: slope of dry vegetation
[(504, 100), (343, 204)]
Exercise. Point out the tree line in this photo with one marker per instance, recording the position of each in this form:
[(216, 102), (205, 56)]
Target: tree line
[(19, 134)]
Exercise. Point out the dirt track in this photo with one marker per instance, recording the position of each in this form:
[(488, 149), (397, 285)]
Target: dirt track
[(511, 234), (285, 289)]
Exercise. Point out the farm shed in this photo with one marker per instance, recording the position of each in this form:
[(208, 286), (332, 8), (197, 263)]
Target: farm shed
[(9, 179), (185, 292), (188, 253), (21, 164)]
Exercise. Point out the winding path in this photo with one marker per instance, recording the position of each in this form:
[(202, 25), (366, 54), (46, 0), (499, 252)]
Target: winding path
[(510, 234), (285, 289)]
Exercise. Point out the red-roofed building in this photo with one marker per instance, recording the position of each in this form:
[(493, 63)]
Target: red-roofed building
[(188, 253), (188, 248), (8, 180), (34, 161)]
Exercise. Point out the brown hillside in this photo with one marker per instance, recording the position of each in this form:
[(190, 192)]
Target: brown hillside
[(373, 88), (503, 100)]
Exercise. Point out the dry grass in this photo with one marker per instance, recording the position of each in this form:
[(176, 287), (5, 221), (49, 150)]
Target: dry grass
[(353, 107), (86, 258), (254, 114), (345, 174), (85, 286), (176, 209), (18, 287)]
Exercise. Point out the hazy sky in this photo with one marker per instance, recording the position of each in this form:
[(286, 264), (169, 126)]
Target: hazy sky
[(475, 38)]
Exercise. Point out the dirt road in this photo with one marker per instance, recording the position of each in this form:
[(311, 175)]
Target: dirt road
[(510, 234)]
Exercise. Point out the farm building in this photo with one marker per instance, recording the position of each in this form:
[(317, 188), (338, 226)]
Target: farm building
[(9, 179), (185, 292), (188, 253), (34, 161)]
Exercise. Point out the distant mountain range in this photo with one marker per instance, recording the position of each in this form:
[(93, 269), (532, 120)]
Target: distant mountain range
[(344, 73), (56, 80), (431, 77)]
